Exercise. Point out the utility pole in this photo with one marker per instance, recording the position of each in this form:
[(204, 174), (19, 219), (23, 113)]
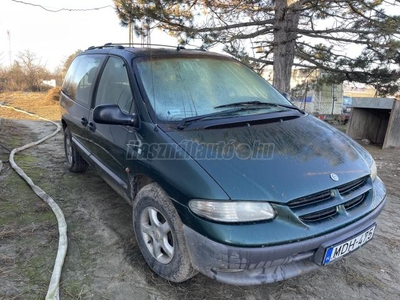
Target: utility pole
[(130, 28), (333, 98)]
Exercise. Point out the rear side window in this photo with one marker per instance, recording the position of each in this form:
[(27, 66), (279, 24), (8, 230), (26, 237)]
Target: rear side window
[(114, 86), (80, 77)]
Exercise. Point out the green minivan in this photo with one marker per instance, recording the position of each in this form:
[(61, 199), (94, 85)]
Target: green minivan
[(225, 176)]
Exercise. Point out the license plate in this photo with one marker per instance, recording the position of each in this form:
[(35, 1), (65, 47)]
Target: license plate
[(337, 251)]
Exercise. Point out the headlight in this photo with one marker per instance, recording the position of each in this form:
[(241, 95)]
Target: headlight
[(373, 170), (232, 211)]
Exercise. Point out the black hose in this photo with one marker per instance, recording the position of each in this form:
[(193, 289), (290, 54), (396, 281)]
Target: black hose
[(5, 161), (5, 148)]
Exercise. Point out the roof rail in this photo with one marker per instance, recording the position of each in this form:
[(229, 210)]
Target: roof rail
[(107, 45), (124, 45)]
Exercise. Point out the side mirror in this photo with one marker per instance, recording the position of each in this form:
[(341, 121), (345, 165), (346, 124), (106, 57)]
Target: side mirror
[(112, 114)]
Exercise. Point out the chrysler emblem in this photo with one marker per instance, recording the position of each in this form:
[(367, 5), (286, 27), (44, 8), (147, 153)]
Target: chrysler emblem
[(334, 177)]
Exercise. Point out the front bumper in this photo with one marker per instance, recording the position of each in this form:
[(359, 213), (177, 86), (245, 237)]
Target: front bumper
[(251, 266)]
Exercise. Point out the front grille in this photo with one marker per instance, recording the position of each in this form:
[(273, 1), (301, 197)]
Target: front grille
[(320, 215), (351, 186), (353, 203), (326, 204), (312, 199)]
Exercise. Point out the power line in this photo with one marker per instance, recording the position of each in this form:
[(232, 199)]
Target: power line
[(61, 9)]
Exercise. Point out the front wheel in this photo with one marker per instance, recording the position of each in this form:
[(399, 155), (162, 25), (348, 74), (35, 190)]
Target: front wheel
[(159, 233)]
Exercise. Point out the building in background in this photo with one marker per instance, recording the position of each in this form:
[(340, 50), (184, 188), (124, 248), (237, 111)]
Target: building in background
[(310, 94), (358, 90)]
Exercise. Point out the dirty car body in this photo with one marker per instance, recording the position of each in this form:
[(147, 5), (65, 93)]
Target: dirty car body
[(260, 191)]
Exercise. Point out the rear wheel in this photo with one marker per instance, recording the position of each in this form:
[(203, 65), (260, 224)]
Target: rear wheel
[(75, 161), (159, 233)]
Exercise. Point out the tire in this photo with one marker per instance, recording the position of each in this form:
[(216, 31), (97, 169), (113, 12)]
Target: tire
[(75, 162), (159, 233)]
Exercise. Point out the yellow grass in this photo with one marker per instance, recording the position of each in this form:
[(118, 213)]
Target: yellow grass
[(38, 103)]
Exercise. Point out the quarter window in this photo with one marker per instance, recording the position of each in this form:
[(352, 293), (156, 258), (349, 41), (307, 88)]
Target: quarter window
[(114, 87), (80, 78)]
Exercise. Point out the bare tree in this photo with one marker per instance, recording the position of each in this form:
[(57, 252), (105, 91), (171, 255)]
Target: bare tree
[(15, 77), (33, 70), (26, 73)]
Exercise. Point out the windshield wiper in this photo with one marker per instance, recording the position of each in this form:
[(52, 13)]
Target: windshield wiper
[(242, 103), (256, 102), (241, 106), (186, 121)]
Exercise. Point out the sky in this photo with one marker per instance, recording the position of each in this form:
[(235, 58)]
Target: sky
[(53, 36)]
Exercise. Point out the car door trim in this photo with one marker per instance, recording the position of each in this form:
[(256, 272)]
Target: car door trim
[(96, 162)]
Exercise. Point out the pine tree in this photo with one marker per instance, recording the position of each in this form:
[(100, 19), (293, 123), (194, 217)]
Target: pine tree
[(347, 40)]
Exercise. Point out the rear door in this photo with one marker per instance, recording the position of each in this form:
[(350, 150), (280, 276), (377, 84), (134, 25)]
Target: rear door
[(76, 96), (108, 142)]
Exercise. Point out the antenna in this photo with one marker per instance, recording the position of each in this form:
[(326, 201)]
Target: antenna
[(9, 46)]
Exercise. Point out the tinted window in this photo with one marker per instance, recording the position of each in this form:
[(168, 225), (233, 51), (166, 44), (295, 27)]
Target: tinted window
[(114, 87), (81, 76)]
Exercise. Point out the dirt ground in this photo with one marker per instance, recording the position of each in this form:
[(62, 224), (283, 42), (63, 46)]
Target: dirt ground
[(103, 260)]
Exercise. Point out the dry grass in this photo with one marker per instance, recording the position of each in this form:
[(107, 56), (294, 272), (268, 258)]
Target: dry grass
[(6, 232), (41, 207), (42, 104), (12, 231), (53, 95)]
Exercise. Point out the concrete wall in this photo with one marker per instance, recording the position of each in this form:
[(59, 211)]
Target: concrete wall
[(392, 138), (367, 123), (376, 119), (380, 103)]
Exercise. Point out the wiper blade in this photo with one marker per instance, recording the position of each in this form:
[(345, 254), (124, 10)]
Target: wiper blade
[(243, 103), (290, 107), (186, 121), (242, 106), (256, 102)]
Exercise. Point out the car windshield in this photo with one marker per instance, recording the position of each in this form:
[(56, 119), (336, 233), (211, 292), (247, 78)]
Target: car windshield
[(184, 87)]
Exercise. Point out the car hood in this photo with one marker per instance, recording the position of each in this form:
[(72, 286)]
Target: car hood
[(277, 161)]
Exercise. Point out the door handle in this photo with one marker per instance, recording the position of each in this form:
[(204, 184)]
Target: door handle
[(84, 121), (92, 127)]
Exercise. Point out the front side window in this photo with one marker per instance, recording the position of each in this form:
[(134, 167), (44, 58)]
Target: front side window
[(114, 86), (81, 76), (185, 87)]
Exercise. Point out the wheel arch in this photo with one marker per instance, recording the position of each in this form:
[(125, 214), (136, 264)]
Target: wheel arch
[(136, 183)]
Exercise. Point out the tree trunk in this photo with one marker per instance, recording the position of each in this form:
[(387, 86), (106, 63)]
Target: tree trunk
[(130, 29), (286, 23)]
